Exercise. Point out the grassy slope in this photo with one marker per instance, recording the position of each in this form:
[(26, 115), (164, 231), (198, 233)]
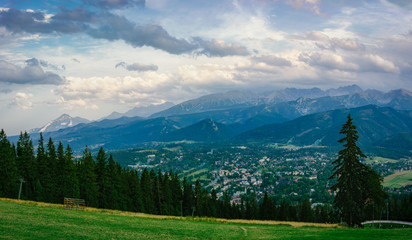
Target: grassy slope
[(398, 179), (380, 160), (30, 220)]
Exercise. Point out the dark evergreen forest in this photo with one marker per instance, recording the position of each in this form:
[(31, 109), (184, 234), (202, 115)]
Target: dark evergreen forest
[(51, 173)]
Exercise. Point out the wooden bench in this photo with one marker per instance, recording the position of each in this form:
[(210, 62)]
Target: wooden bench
[(74, 203)]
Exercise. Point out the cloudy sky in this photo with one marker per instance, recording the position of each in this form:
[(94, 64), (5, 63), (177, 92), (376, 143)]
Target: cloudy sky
[(91, 57)]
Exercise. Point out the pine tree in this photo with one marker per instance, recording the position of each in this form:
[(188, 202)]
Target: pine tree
[(266, 208), (305, 212), (42, 170), (113, 185), (61, 174), (102, 177), (27, 166), (356, 182), (50, 184), (87, 179), (71, 183), (8, 169)]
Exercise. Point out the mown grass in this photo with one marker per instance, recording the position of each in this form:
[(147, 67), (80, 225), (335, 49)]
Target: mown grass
[(30, 220), (380, 160), (398, 179)]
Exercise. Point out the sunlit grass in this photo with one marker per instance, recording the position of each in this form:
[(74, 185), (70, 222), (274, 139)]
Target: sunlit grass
[(398, 179), (32, 220)]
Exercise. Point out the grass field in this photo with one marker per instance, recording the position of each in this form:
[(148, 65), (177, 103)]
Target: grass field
[(380, 160), (398, 179), (31, 220)]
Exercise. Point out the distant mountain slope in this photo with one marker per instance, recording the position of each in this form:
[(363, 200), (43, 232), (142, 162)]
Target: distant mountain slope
[(374, 123), (141, 111), (218, 101), (399, 140), (282, 105), (116, 133), (205, 131), (64, 121)]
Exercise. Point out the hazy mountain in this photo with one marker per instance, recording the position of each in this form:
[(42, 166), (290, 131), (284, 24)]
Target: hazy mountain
[(218, 101), (374, 123), (306, 101), (302, 121), (141, 111), (64, 121), (399, 140), (346, 90), (116, 133), (206, 131)]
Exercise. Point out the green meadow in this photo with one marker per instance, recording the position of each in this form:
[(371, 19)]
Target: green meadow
[(31, 220), (398, 179)]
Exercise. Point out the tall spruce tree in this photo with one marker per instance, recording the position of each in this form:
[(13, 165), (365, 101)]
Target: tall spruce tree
[(26, 165), (87, 179), (102, 178), (356, 183), (8, 169), (71, 183)]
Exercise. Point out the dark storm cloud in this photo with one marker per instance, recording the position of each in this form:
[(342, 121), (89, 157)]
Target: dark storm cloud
[(105, 25), (137, 67), (32, 73), (109, 4)]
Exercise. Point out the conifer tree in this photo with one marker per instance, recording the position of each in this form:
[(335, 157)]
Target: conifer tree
[(113, 184), (50, 184), (87, 179), (71, 183), (8, 169), (26, 165), (61, 174), (102, 177), (42, 170), (305, 212), (356, 183), (266, 208)]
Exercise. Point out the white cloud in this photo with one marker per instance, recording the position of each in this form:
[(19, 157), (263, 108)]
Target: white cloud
[(330, 61), (373, 62), (22, 100)]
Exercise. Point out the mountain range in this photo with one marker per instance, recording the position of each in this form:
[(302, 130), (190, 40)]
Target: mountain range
[(64, 121), (291, 116)]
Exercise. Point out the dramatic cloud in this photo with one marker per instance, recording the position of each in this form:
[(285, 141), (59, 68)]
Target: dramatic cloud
[(112, 27), (119, 28), (77, 15), (18, 21), (137, 67), (218, 48), (108, 4), (32, 73)]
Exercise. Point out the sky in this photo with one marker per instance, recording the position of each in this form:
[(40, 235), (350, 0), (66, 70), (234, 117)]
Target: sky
[(89, 58)]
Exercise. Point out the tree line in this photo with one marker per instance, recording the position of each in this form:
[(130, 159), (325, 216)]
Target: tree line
[(53, 173)]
